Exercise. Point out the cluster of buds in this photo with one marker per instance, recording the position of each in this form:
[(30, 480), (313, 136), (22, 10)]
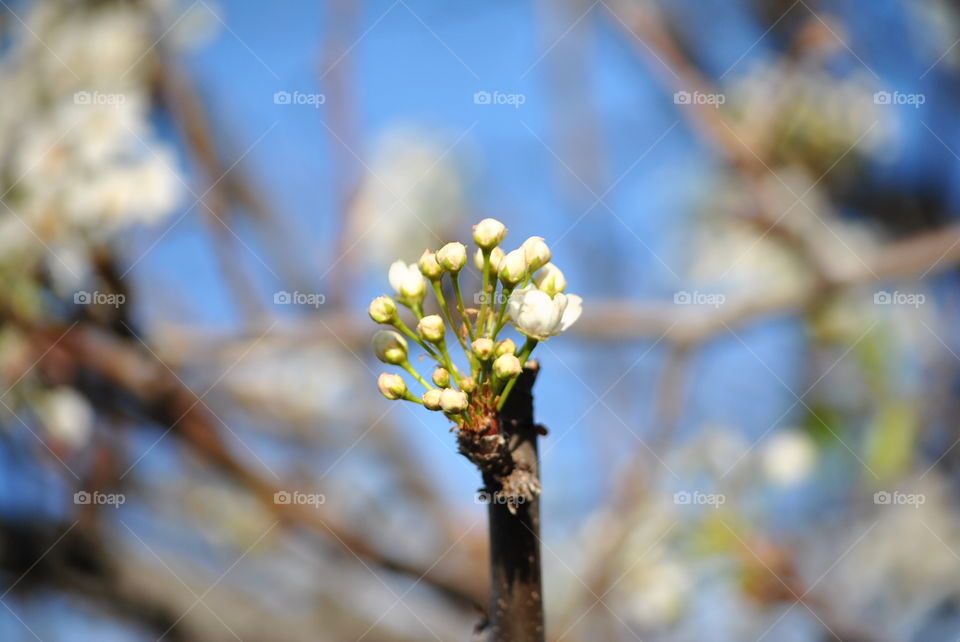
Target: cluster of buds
[(521, 287)]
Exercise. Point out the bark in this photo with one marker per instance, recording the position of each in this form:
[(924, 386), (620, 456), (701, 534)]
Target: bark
[(516, 600)]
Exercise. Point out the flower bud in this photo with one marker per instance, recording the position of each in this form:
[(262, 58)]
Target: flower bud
[(452, 256), (431, 399), (390, 347), (483, 348), (392, 386), (383, 310), (453, 401), (536, 252), (507, 366), (496, 256), (513, 268), (550, 280), (429, 266), (468, 385), (441, 377), (489, 233), (507, 346), (408, 282), (430, 328)]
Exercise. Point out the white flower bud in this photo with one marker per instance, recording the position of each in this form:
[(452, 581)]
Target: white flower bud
[(537, 252), (392, 386), (453, 401), (408, 282), (383, 310), (431, 399), (452, 256), (429, 266), (550, 280), (537, 315), (507, 366), (513, 268), (441, 377), (431, 328), (483, 348), (468, 385), (507, 346), (496, 256), (390, 347), (489, 233)]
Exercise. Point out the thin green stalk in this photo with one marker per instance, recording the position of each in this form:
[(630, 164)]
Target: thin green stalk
[(402, 327), (448, 362), (523, 356), (501, 321), (445, 311), (455, 277), (486, 284), (412, 397), (416, 375)]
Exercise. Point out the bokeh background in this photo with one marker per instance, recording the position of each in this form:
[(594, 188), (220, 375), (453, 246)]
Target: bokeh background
[(752, 427)]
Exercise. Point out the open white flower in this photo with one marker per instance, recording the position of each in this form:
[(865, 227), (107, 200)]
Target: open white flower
[(407, 280), (538, 316)]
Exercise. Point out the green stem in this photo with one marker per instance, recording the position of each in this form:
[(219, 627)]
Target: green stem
[(455, 277), (416, 375), (483, 290), (500, 322), (445, 311), (524, 354), (412, 397), (402, 327)]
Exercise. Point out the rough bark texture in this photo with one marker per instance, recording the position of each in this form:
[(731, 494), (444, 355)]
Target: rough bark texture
[(516, 602)]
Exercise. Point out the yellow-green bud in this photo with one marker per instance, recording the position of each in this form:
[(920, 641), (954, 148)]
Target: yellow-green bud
[(431, 399), (452, 256), (383, 309), (489, 233), (536, 251), (392, 386), (483, 348), (430, 328), (507, 366), (441, 377), (468, 385), (513, 268), (507, 346), (429, 266), (550, 280), (390, 347), (453, 401)]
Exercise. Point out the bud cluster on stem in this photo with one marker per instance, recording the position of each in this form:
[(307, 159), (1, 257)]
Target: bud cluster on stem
[(521, 287)]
